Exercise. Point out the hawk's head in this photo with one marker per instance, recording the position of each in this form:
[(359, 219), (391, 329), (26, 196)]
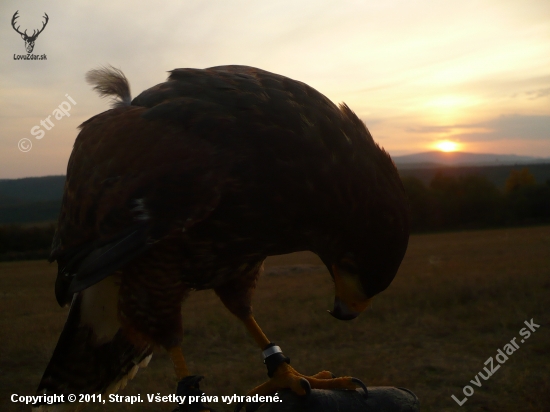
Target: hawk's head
[(369, 237), (369, 263)]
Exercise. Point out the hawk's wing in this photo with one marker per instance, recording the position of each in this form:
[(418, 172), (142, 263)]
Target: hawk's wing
[(130, 182)]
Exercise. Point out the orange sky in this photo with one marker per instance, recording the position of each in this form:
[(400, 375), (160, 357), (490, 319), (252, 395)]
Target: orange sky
[(472, 72)]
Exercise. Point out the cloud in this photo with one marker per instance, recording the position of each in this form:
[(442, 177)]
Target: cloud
[(432, 129), (513, 126), (537, 94), (517, 126), (505, 127)]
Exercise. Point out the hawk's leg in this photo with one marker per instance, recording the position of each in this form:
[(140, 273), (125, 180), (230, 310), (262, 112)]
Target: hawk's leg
[(180, 367), (285, 376), (188, 385), (237, 297)]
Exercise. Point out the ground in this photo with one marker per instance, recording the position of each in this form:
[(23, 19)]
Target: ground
[(457, 299)]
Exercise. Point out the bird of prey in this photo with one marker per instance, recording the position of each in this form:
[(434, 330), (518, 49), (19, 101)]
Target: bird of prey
[(190, 186)]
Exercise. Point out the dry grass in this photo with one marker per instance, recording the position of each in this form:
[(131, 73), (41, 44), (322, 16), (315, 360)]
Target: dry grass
[(457, 299)]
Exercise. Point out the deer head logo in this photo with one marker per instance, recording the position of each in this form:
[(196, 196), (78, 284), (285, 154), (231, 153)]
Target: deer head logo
[(29, 40)]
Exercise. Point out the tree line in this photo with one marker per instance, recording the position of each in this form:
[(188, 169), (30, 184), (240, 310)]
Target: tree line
[(446, 203), (474, 202), (25, 242)]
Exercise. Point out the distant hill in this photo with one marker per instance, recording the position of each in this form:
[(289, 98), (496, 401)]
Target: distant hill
[(32, 199), (495, 174), (32, 189), (38, 199), (438, 159)]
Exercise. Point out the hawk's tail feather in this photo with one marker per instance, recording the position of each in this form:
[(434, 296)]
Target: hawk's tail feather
[(113, 388), (110, 81), (93, 355)]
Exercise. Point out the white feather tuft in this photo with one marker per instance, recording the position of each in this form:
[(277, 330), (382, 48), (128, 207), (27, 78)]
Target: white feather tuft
[(133, 372), (123, 382), (145, 361)]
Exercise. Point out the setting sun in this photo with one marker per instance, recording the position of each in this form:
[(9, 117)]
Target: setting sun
[(447, 146)]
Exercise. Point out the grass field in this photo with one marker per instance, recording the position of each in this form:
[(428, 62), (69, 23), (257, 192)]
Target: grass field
[(457, 299)]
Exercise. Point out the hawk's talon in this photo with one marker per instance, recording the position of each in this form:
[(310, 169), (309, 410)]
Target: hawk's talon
[(304, 383), (189, 386), (286, 377), (362, 385)]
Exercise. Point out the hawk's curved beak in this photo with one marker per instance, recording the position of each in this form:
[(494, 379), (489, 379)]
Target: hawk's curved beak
[(349, 299)]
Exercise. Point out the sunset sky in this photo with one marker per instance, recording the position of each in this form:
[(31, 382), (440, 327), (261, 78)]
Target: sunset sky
[(473, 73)]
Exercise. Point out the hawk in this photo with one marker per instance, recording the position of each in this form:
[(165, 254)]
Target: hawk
[(190, 186)]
